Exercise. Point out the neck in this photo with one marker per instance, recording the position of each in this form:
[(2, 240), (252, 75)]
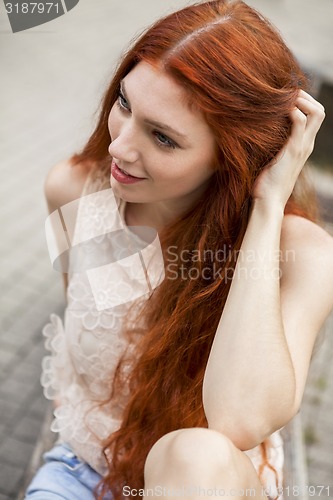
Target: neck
[(155, 214), (159, 214)]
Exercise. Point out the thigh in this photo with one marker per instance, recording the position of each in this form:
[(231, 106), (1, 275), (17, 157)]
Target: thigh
[(63, 476)]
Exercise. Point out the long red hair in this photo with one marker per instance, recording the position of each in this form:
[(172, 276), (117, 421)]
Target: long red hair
[(239, 73)]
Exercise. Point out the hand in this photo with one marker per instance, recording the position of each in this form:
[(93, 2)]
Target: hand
[(276, 182)]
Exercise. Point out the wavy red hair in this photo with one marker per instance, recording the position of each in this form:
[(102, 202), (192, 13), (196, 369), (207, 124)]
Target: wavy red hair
[(239, 73)]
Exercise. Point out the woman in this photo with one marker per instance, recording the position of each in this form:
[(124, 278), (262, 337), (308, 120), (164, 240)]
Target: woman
[(210, 127)]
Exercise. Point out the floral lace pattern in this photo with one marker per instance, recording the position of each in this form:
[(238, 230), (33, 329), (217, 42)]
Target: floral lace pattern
[(84, 352)]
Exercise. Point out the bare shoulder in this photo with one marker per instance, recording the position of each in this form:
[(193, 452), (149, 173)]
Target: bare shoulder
[(64, 183), (310, 251), (300, 232)]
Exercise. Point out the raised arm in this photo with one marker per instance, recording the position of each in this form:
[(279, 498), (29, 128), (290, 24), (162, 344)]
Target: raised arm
[(258, 364)]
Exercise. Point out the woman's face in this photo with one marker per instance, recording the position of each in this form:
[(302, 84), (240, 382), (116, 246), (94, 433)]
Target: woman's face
[(156, 137)]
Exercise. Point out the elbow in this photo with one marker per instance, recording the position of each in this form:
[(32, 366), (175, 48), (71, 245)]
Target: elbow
[(251, 429), (244, 435), (248, 423)]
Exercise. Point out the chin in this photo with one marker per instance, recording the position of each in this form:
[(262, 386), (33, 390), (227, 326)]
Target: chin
[(116, 188), (121, 193)]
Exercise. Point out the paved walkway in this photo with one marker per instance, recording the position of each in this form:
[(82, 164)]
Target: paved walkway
[(51, 80)]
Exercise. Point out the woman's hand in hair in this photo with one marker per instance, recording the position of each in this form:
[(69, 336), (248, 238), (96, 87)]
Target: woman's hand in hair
[(276, 182)]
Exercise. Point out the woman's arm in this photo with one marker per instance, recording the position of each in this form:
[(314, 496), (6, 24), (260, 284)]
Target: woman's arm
[(259, 360)]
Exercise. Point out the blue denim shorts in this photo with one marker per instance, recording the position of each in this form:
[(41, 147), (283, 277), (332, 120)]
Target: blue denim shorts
[(64, 476)]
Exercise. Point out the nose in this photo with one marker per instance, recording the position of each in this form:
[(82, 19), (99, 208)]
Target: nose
[(124, 147)]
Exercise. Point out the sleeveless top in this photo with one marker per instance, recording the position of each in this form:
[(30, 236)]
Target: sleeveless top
[(86, 347)]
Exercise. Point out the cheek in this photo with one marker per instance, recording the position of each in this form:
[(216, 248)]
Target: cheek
[(187, 173), (195, 168)]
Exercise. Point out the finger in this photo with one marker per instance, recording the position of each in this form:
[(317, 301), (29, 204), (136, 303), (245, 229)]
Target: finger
[(307, 105), (314, 115), (299, 121), (309, 97)]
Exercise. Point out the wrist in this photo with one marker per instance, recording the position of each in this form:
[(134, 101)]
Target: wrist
[(268, 208)]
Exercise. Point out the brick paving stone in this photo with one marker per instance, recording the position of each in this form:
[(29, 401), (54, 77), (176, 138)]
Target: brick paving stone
[(16, 451), (26, 371), (38, 406), (3, 429), (8, 410), (27, 429), (29, 323), (36, 352), (15, 391), (7, 360), (10, 479), (12, 337)]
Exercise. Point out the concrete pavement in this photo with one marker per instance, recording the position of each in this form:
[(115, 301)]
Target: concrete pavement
[(52, 79)]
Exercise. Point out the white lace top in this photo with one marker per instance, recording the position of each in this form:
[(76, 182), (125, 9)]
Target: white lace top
[(85, 349)]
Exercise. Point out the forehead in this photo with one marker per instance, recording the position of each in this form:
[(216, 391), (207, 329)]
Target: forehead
[(159, 84), (154, 95)]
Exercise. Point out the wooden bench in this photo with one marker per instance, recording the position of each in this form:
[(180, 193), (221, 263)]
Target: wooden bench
[(295, 471)]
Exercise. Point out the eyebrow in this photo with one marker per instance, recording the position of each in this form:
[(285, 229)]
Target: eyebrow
[(159, 125)]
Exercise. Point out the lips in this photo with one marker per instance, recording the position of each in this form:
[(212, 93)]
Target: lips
[(127, 173), (124, 171), (122, 176)]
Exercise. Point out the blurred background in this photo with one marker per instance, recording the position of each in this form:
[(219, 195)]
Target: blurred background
[(52, 80)]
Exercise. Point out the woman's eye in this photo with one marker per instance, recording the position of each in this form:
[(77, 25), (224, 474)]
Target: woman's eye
[(161, 140), (122, 102), (164, 141)]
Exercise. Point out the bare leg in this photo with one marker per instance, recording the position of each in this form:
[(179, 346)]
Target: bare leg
[(189, 462)]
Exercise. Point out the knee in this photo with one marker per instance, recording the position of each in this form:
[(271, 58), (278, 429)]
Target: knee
[(196, 448)]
